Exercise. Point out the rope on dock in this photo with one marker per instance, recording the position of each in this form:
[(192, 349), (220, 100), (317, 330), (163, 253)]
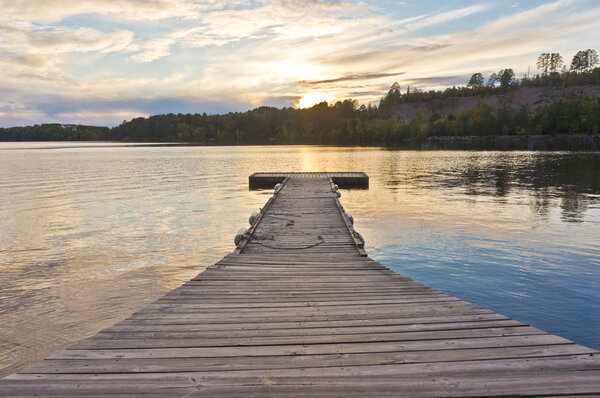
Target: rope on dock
[(319, 238)]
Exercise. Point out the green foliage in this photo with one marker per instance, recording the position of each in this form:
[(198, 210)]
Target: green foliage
[(476, 81), (549, 63), (584, 60), (493, 79), (55, 132), (393, 97), (507, 76)]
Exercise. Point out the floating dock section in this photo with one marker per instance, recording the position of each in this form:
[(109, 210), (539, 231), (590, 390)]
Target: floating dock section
[(355, 180), (299, 310)]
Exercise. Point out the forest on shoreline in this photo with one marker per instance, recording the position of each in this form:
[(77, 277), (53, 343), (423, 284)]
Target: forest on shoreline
[(346, 123)]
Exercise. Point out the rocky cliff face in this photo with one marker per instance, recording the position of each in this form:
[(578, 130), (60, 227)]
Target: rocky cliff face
[(529, 97)]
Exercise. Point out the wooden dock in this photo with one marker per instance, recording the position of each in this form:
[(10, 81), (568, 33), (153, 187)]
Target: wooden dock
[(298, 310)]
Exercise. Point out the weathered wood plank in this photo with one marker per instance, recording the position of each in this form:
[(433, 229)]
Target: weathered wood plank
[(583, 362), (526, 377), (130, 340), (197, 348), (187, 364), (148, 331), (197, 305), (315, 313), (484, 315)]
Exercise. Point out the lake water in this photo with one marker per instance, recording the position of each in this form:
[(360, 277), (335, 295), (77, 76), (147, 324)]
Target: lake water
[(92, 232)]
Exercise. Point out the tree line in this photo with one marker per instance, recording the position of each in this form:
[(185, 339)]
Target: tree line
[(346, 123), (551, 72), (339, 124)]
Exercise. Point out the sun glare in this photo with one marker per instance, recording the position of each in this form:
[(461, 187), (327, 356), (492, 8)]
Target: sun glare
[(311, 99)]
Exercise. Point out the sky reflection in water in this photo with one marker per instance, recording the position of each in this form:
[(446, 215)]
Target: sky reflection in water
[(91, 233)]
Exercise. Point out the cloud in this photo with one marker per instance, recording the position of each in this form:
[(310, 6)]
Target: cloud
[(152, 49), (18, 68), (57, 10), (25, 60), (448, 16), (27, 38), (431, 47), (349, 77), (303, 4), (437, 81), (50, 11), (363, 94), (58, 108), (281, 101), (491, 45), (63, 40), (272, 21)]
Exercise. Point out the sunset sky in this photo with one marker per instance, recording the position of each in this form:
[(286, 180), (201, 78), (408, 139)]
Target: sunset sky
[(104, 61)]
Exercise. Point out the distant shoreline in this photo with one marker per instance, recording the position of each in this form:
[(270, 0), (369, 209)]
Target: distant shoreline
[(535, 142), (538, 142)]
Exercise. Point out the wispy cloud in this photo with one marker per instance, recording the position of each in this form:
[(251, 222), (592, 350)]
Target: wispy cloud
[(448, 16), (26, 38), (437, 81), (65, 108), (151, 49), (151, 10), (349, 77)]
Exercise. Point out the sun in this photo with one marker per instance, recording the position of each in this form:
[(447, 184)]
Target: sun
[(311, 99)]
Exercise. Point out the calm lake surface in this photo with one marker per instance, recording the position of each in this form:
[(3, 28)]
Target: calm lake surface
[(92, 232)]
